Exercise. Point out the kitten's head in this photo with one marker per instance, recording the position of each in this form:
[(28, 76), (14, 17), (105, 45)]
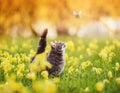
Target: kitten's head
[(58, 47)]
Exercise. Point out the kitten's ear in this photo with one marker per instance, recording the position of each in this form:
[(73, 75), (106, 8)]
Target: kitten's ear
[(52, 45)]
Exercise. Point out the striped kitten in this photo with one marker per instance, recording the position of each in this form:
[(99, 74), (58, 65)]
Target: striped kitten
[(56, 58)]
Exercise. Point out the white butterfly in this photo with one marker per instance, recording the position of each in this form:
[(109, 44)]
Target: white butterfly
[(77, 14)]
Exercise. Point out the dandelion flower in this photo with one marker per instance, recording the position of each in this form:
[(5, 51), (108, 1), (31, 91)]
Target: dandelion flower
[(110, 75), (70, 45), (56, 80), (31, 76), (117, 80), (105, 81), (45, 86), (85, 64), (7, 67), (44, 74), (97, 70), (71, 70), (21, 67), (81, 56), (99, 86), (50, 87), (86, 89), (117, 66)]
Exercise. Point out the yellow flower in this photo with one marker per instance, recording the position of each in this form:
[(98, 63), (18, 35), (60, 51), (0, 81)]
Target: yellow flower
[(19, 74), (97, 70), (117, 80), (7, 67), (21, 67), (7, 76), (44, 74), (110, 75), (111, 55), (99, 86), (31, 76), (12, 86), (107, 53), (26, 59), (14, 59), (33, 67), (56, 79), (103, 55), (77, 70), (70, 45), (89, 51), (42, 66), (86, 89), (85, 64), (50, 87), (45, 86), (12, 77), (71, 70), (105, 81), (48, 64), (42, 63), (38, 86), (117, 66), (25, 45), (15, 86), (66, 57), (93, 45), (32, 53), (116, 43), (81, 56), (107, 42), (12, 49), (79, 48), (1, 87)]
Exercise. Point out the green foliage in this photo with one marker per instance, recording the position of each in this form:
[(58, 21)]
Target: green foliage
[(85, 66)]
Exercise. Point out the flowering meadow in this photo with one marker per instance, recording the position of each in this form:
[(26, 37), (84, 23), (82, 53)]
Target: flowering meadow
[(92, 66)]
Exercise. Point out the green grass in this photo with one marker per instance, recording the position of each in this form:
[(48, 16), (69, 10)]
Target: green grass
[(74, 81)]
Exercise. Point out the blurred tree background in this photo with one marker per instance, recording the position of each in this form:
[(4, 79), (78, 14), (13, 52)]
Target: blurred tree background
[(29, 17)]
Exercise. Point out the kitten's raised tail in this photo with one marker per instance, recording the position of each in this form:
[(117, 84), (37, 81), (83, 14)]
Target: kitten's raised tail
[(44, 33), (42, 44)]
